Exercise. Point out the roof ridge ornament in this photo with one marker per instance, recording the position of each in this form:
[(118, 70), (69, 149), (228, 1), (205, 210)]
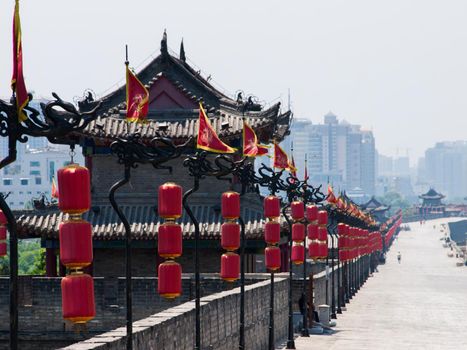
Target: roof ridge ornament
[(164, 49), (182, 52)]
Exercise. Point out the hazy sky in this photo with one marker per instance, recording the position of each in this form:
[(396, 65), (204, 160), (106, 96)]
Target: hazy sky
[(397, 67)]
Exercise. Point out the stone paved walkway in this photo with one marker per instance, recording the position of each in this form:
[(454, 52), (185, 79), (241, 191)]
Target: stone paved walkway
[(419, 304)]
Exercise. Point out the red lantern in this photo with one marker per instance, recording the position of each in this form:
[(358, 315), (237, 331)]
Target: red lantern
[(170, 201), (2, 249), (2, 233), (3, 220), (298, 254), (74, 189), (313, 250), (272, 207), (342, 242), (78, 298), (230, 236), (297, 210), (341, 229), (298, 232), (230, 205), (322, 233), (169, 240), (272, 232), (311, 213), (322, 217), (75, 243), (272, 258), (323, 250), (312, 232), (169, 284), (343, 255), (230, 267)]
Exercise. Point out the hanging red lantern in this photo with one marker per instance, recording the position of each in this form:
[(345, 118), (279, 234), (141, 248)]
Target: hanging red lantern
[(169, 284), (322, 217), (298, 254), (311, 213), (2, 233), (272, 258), (272, 207), (322, 233), (169, 201), (272, 232), (75, 243), (298, 232), (297, 210), (74, 188), (230, 267), (313, 250), (2, 248), (343, 254), (230, 205), (78, 298), (169, 240), (341, 229), (323, 250), (230, 236), (3, 220), (312, 232), (341, 242)]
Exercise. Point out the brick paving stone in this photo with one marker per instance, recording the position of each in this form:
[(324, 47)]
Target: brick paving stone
[(418, 304)]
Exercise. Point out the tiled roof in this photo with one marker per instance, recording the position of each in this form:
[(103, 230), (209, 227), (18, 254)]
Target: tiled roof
[(181, 123), (145, 223), (115, 127), (432, 194)]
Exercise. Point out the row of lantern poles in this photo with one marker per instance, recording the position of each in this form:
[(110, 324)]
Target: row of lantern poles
[(76, 251), (76, 239), (76, 242)]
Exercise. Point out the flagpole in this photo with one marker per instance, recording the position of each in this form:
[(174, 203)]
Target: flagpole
[(129, 302), (126, 56)]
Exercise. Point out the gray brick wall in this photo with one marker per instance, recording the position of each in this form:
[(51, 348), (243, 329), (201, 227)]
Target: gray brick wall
[(111, 261), (42, 326), (174, 329), (40, 316)]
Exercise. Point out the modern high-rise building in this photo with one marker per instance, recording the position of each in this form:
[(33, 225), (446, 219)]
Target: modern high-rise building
[(446, 168), (338, 153)]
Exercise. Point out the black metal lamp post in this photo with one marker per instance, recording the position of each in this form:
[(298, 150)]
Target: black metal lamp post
[(290, 339), (331, 227), (199, 167), (292, 187), (131, 152), (55, 124)]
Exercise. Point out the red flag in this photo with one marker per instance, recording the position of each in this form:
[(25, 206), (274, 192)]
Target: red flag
[(340, 203), (293, 169), (17, 80), (54, 189), (137, 98), (281, 160), (306, 174), (331, 197), (207, 137), (251, 148)]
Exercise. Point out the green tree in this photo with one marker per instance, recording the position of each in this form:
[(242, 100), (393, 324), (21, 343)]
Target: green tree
[(31, 259), (395, 200)]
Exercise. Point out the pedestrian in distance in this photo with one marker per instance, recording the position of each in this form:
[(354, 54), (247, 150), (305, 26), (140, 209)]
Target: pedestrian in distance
[(399, 256)]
